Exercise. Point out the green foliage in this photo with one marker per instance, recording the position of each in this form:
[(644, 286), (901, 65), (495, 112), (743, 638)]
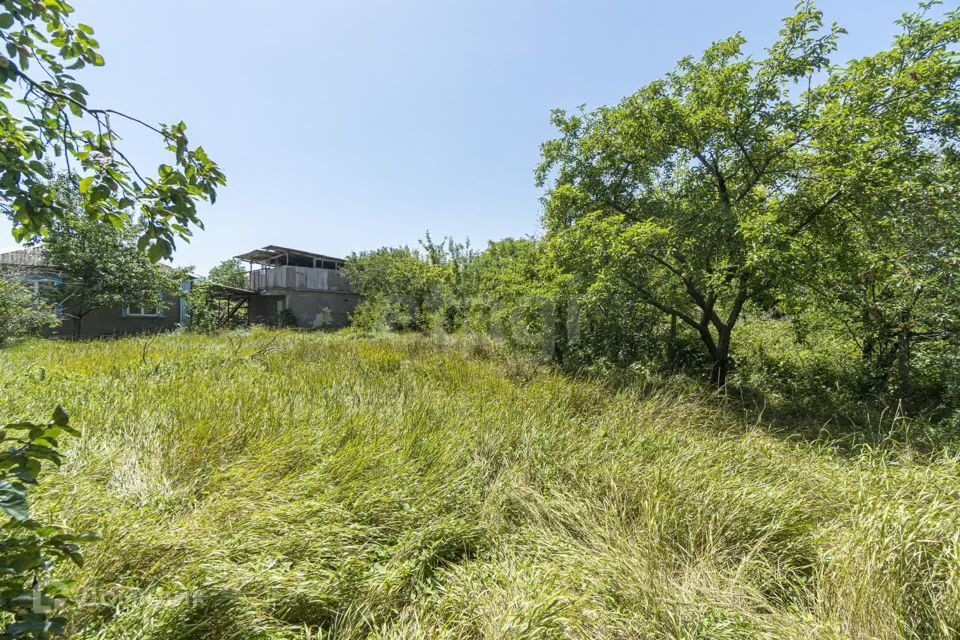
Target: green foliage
[(206, 310), (519, 296), (202, 307), (30, 549), (103, 267), (375, 313), (734, 177), (406, 291), (286, 318), (38, 37), (21, 314), (229, 272), (403, 487)]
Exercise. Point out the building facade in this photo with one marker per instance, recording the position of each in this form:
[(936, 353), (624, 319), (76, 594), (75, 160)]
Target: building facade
[(285, 287), (169, 313), (298, 288)]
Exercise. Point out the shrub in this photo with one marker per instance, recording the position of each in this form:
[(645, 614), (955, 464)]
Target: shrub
[(30, 550), (21, 314)]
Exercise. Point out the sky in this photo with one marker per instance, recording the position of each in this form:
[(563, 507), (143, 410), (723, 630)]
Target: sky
[(355, 124)]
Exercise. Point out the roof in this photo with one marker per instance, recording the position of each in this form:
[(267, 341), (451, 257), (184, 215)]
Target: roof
[(26, 257), (226, 291), (271, 252)]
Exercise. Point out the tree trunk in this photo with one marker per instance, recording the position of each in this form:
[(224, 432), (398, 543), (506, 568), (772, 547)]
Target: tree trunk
[(559, 332), (903, 359), (720, 367), (77, 323)]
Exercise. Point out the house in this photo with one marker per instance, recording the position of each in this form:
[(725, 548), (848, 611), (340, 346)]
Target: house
[(169, 312), (284, 287), (292, 286)]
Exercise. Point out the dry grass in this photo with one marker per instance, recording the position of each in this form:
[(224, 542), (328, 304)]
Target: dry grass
[(336, 487)]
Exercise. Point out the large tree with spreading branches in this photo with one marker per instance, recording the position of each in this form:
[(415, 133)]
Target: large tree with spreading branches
[(717, 184)]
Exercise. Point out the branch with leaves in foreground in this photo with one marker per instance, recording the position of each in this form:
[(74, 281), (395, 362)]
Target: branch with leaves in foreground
[(53, 120), (29, 550)]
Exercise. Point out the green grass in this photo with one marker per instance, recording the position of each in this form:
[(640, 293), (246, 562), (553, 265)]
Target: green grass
[(338, 487)]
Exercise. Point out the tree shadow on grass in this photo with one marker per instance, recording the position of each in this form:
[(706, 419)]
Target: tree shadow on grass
[(870, 426)]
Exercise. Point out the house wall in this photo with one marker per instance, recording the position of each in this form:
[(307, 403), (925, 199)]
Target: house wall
[(110, 321), (265, 309), (312, 309)]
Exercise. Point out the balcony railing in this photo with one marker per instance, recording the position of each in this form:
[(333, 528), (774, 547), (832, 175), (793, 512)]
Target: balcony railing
[(306, 278)]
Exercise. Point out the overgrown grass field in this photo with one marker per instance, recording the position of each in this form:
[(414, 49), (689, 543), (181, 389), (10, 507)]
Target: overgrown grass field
[(285, 485)]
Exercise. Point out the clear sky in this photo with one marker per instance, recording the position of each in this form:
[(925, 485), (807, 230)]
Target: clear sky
[(354, 124)]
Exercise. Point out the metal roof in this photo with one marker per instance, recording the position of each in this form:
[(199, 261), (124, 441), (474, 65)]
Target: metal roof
[(271, 252), (226, 291)]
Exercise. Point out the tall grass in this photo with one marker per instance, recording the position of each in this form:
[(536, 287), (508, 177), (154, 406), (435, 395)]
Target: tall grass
[(282, 485)]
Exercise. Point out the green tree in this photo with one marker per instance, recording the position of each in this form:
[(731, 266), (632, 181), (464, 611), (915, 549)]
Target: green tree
[(457, 263), (709, 188), (42, 49), (21, 313), (399, 287), (890, 281), (522, 297), (229, 272), (102, 266)]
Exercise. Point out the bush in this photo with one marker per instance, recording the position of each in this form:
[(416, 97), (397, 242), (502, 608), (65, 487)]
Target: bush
[(30, 550), (21, 314)]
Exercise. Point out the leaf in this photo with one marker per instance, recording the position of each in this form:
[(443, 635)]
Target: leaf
[(35, 626), (60, 416), (6, 20), (13, 500)]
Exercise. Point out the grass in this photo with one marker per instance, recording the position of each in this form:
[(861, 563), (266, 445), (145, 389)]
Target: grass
[(284, 485)]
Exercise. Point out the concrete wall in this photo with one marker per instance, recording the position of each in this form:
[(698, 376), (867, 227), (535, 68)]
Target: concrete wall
[(312, 309), (265, 309)]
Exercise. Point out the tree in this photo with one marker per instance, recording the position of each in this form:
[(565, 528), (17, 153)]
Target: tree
[(102, 266), (522, 297), (229, 272), (398, 286), (457, 262), (38, 37), (21, 313), (41, 48), (709, 188), (889, 282)]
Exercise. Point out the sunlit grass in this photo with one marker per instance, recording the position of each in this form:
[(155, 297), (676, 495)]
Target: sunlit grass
[(284, 485)]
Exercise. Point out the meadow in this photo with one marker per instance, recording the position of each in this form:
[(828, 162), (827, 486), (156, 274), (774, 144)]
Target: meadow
[(273, 484)]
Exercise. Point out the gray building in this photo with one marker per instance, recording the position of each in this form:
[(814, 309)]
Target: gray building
[(29, 264), (292, 286), (284, 287)]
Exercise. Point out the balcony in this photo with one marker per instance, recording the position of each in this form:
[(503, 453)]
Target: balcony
[(300, 278)]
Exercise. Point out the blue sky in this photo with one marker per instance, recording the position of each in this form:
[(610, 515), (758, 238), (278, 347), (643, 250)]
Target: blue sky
[(356, 124)]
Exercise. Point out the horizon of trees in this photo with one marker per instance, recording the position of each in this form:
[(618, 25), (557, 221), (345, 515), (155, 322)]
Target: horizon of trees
[(787, 186)]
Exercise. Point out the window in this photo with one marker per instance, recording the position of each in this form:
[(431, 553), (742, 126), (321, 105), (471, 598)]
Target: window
[(142, 311), (43, 286)]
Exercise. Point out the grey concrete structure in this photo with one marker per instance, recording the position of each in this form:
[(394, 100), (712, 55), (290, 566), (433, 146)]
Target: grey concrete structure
[(299, 286), (284, 286)]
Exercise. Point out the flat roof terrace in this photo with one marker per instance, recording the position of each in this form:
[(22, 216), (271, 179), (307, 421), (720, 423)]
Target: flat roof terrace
[(275, 256)]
